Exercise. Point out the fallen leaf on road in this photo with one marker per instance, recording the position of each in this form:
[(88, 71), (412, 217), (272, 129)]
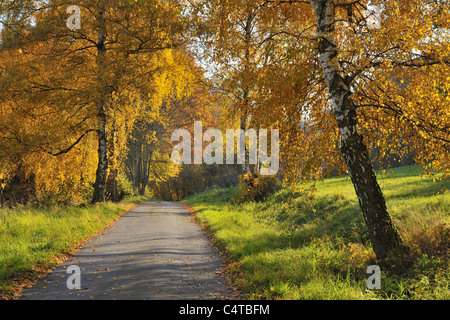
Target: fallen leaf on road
[(132, 256), (158, 291), (187, 257), (106, 268), (99, 277), (170, 260)]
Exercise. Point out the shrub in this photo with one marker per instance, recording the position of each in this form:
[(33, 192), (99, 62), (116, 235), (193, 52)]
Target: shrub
[(256, 187), (189, 181), (125, 186)]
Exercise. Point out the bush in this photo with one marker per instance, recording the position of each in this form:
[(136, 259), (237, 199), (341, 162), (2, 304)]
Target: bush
[(194, 179), (256, 187), (118, 187), (188, 182), (125, 186)]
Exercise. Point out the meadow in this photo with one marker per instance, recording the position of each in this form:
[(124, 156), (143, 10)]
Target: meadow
[(309, 241)]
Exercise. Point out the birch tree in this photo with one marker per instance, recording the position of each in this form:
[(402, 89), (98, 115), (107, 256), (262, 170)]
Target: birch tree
[(386, 82)]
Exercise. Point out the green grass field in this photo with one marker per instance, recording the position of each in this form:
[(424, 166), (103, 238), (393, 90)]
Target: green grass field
[(33, 240), (300, 244)]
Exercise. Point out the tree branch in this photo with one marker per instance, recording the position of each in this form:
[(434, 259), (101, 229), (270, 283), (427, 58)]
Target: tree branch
[(66, 150)]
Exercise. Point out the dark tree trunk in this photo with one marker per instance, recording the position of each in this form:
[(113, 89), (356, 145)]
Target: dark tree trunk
[(102, 132), (386, 241), (102, 167), (246, 166), (112, 193)]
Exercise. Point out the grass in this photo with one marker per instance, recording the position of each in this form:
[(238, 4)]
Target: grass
[(34, 240), (311, 243)]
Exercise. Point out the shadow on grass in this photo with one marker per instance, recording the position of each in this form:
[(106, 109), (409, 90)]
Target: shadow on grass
[(274, 226)]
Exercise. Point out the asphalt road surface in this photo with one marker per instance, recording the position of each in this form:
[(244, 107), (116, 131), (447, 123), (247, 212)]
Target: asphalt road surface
[(155, 251)]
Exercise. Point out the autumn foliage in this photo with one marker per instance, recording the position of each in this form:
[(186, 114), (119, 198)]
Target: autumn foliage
[(74, 103), (86, 114)]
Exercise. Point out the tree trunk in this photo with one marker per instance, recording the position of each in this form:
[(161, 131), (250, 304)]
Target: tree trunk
[(102, 132), (146, 166), (111, 184), (102, 167), (246, 91), (246, 166), (386, 241)]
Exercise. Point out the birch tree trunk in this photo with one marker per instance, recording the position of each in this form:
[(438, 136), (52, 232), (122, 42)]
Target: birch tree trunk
[(102, 132), (385, 239)]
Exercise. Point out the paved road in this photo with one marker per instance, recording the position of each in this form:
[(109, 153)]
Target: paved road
[(155, 251)]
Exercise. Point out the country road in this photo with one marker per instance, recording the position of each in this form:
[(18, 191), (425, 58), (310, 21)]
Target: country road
[(155, 251)]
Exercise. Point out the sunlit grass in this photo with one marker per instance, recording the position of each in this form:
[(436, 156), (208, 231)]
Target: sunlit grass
[(35, 239), (300, 244)]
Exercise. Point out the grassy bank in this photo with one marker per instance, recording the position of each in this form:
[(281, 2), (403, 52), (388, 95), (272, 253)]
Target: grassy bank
[(300, 244), (33, 240)]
